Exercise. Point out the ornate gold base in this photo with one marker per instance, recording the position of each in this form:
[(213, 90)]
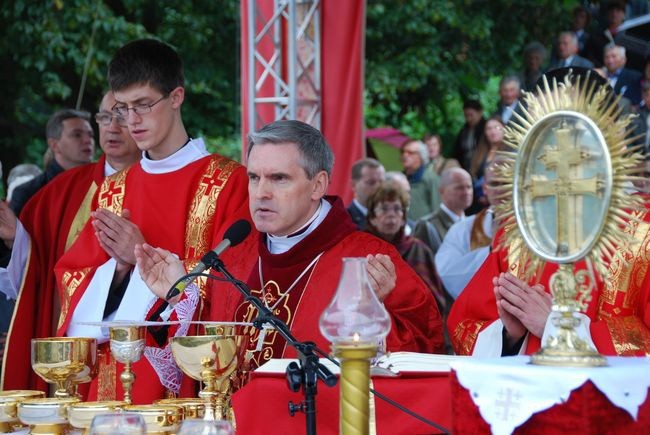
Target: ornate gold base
[(567, 349), (552, 357)]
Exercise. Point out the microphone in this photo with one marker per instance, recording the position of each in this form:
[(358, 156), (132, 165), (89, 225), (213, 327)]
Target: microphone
[(234, 235)]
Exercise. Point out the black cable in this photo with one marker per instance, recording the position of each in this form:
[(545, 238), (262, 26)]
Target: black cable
[(442, 429), (388, 400)]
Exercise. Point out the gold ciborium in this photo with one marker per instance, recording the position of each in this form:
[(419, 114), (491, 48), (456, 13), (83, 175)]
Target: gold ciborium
[(65, 362), (9, 401), (80, 415), (211, 359), (46, 416), (127, 347)]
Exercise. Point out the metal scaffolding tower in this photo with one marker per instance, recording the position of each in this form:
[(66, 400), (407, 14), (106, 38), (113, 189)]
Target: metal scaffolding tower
[(284, 61)]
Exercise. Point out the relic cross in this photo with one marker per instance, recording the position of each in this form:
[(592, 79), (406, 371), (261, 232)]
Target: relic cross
[(562, 158)]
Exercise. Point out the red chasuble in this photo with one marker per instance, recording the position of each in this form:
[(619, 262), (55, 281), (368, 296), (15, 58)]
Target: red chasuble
[(53, 217), (185, 211), (619, 309), (416, 322)]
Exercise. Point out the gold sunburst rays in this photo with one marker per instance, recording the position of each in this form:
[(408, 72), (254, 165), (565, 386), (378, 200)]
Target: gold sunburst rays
[(584, 97)]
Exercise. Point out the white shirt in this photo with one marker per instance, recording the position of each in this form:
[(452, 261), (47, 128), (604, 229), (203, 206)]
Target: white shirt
[(508, 111), (455, 262), (361, 207), (281, 244)]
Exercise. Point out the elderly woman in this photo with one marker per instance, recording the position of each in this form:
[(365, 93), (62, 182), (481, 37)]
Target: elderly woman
[(386, 219)]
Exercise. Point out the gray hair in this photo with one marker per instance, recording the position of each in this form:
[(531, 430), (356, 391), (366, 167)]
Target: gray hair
[(21, 174), (510, 79), (613, 46), (316, 153), (23, 170), (572, 36), (423, 150), (535, 47), (54, 126), (447, 176)]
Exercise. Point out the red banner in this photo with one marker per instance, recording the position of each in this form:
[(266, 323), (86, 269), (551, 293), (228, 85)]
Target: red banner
[(342, 58)]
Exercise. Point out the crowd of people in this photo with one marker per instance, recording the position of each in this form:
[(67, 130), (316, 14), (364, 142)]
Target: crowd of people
[(88, 242), (450, 217)]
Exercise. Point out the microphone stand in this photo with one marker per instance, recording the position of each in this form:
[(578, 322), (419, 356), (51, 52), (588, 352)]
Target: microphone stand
[(306, 374)]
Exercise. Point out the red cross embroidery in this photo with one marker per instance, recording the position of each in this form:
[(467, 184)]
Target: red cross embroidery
[(75, 277), (112, 190), (210, 183)]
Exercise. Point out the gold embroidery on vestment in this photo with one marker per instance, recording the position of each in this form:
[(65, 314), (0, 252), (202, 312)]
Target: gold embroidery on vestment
[(465, 335), (69, 284), (106, 383), (81, 217), (200, 220), (112, 191), (478, 238)]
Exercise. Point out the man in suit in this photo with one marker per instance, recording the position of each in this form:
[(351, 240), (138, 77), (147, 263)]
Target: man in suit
[(567, 52), (624, 81), (456, 194), (367, 176), (509, 91)]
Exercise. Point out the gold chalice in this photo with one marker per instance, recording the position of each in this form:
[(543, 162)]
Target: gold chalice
[(80, 415), (127, 347), (160, 419), (65, 361), (211, 359), (9, 401), (46, 415)]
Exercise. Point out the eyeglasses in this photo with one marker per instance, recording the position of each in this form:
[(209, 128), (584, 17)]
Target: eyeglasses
[(138, 109), (105, 118), (385, 209)]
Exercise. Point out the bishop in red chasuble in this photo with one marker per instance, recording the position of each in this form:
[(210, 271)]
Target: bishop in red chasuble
[(618, 313), (299, 284)]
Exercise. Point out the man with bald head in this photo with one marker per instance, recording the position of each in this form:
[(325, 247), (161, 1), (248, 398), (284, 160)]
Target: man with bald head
[(456, 195), (467, 243)]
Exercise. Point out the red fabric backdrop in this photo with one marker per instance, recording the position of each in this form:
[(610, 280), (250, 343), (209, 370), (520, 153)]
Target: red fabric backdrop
[(342, 59)]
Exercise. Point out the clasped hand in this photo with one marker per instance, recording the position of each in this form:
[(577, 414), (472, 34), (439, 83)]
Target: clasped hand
[(521, 308), (117, 235)]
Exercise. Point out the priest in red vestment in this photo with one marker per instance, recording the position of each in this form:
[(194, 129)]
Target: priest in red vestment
[(303, 236), (179, 197), (49, 224), (617, 318)]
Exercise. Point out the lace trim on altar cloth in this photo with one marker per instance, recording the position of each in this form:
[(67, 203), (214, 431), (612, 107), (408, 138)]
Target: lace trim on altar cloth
[(161, 359), (508, 391)]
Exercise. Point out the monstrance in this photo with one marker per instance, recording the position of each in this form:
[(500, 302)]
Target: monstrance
[(565, 190)]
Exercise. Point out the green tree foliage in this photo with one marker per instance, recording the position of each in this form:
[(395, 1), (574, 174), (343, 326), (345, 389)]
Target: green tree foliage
[(424, 57), (44, 46)]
